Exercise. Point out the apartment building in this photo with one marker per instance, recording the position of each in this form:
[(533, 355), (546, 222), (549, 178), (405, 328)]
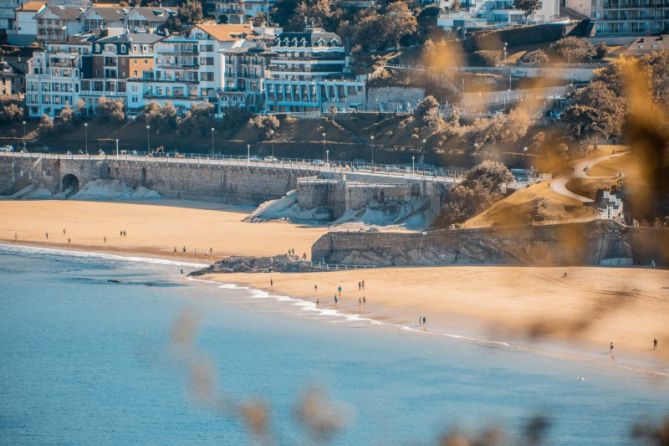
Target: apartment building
[(188, 68), (58, 23), (481, 14), (7, 84), (52, 82), (7, 14), (111, 62), (26, 20), (630, 17), (240, 11), (244, 75), (103, 18), (308, 71), (147, 19)]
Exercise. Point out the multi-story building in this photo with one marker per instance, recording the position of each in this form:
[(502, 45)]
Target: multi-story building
[(7, 14), (241, 11), (308, 71), (480, 14), (58, 23), (7, 76), (103, 18), (244, 73), (26, 21), (54, 75), (112, 60), (147, 19), (188, 68), (630, 17)]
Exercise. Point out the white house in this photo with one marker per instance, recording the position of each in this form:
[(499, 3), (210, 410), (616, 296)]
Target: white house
[(26, 20), (58, 23)]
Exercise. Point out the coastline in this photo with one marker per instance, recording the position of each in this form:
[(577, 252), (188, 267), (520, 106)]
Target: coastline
[(527, 306), (451, 325)]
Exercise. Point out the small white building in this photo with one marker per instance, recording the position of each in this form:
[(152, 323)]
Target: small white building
[(26, 20), (611, 206), (58, 23)]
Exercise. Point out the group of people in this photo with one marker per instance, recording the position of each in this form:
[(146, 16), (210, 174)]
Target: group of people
[(293, 254), (183, 251)]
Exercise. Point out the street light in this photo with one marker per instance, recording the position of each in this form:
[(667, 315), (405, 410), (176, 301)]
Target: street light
[(372, 138), (24, 136), (212, 142), (85, 136), (413, 166), (248, 153), (148, 139), (505, 45), (116, 147), (323, 135), (327, 156)]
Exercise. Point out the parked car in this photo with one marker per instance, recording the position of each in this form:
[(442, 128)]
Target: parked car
[(6, 148), (255, 158), (318, 162), (270, 159)]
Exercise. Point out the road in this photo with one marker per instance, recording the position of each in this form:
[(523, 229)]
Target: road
[(581, 169)]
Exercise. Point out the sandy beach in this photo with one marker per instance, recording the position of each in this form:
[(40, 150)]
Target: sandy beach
[(154, 229), (589, 308)]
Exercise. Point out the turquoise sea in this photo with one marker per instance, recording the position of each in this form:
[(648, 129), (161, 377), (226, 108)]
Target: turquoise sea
[(86, 359)]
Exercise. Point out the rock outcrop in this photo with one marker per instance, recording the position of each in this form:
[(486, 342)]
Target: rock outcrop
[(593, 243), (249, 264)]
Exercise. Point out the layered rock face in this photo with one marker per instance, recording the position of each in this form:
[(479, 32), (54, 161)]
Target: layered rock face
[(594, 243)]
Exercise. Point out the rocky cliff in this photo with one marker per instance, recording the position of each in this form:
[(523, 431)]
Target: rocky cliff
[(593, 243)]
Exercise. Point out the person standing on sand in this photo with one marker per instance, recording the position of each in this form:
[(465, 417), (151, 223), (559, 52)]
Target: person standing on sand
[(104, 239), (363, 284), (46, 234), (271, 282), (652, 264), (424, 321), (654, 344), (611, 349), (315, 288), (420, 321), (336, 300), (183, 250), (64, 231)]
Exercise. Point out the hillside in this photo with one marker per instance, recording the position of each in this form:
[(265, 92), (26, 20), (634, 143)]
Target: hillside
[(535, 204)]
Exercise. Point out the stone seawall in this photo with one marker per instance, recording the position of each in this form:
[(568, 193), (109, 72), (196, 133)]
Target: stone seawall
[(595, 243), (173, 178)]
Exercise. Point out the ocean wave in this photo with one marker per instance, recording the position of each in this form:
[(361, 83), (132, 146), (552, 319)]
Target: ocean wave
[(23, 249)]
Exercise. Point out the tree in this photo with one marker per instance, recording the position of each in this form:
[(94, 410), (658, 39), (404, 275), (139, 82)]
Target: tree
[(269, 124), (65, 118), (190, 12), (398, 21), (110, 110), (11, 113), (573, 49), (596, 112), (45, 124), (536, 57), (260, 19), (527, 6), (369, 30), (477, 192), (200, 118)]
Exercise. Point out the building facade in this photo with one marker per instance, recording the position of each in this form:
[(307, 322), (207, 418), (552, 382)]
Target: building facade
[(308, 71), (53, 80), (58, 23), (630, 17)]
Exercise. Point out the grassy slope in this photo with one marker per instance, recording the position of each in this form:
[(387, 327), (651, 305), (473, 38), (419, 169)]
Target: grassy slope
[(537, 203)]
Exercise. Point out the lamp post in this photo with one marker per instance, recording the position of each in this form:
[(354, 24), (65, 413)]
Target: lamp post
[(248, 153), (372, 139), (525, 159), (86, 136), (271, 137), (116, 147), (148, 139), (505, 45), (24, 136), (413, 166), (323, 135), (212, 142), (327, 157)]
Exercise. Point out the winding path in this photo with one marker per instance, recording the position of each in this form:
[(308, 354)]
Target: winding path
[(580, 170)]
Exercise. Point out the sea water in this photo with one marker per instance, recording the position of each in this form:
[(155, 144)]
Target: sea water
[(86, 359)]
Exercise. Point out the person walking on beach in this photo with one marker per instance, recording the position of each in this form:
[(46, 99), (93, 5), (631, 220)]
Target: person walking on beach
[(336, 300), (420, 321), (611, 349), (46, 234), (68, 240), (424, 321), (271, 282), (363, 284), (104, 239), (654, 343), (652, 264), (364, 301), (16, 236), (315, 288), (64, 231), (183, 250)]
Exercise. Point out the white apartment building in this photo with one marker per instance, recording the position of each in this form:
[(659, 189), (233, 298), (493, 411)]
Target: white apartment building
[(241, 11), (52, 82), (493, 13), (308, 71), (26, 20), (58, 23), (188, 68)]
